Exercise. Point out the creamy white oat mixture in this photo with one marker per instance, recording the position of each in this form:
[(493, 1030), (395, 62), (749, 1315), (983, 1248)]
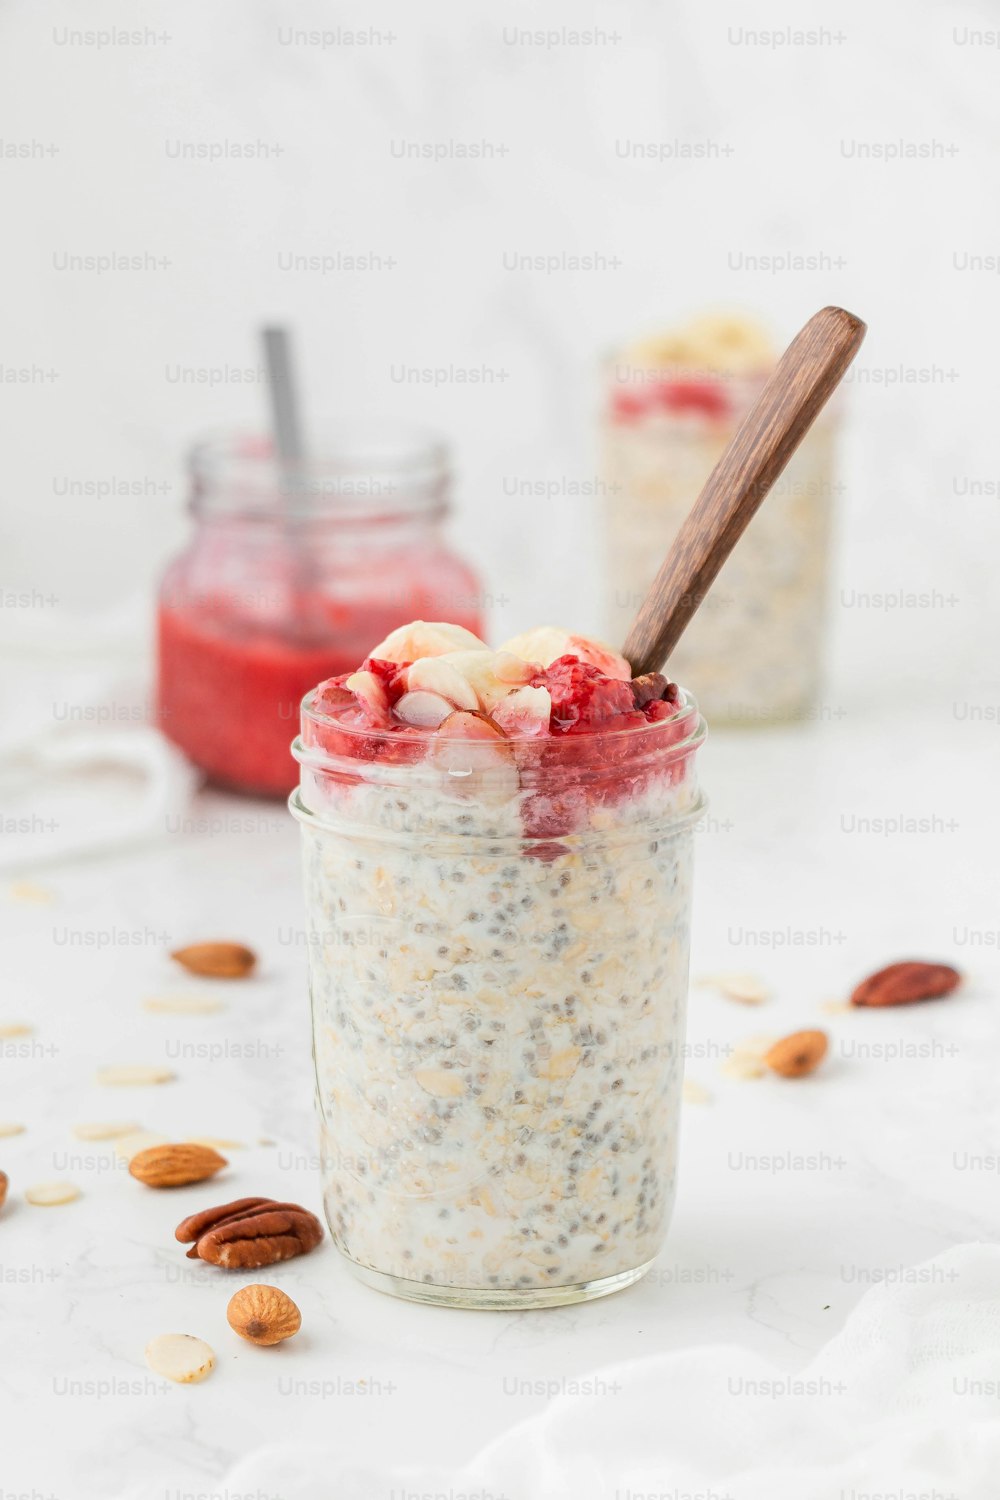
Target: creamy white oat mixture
[(498, 1035), (754, 650)]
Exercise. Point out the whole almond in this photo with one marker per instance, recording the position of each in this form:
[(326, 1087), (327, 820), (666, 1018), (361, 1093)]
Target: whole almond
[(796, 1055), (263, 1314), (176, 1165), (4, 1184), (904, 983), (217, 960)]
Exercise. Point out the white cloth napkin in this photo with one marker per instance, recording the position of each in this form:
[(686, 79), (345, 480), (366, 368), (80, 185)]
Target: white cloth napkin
[(902, 1403), (83, 769)]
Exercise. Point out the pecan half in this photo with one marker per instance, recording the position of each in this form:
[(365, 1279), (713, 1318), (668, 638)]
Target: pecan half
[(250, 1232), (903, 983)]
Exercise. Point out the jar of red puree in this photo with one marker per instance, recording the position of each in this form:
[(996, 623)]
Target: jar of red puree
[(287, 581)]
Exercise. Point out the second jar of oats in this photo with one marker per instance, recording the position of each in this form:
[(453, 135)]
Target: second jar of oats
[(753, 653)]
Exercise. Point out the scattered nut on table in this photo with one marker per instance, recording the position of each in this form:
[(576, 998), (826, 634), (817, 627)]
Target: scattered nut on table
[(249, 1233), (176, 1165), (4, 1184), (796, 1055), (184, 1005), (905, 983), (216, 960), (180, 1357), (128, 1075), (263, 1314), (49, 1194), (104, 1130)]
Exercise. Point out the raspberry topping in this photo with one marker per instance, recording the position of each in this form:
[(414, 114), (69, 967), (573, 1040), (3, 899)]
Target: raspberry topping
[(582, 696), (400, 706), (677, 396)]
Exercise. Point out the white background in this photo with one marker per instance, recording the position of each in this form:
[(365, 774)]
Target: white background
[(885, 235), (771, 1264)]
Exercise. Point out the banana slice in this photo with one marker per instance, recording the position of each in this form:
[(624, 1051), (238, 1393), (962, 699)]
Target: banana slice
[(488, 675), (725, 343), (547, 643), (425, 638), (527, 710), (440, 675), (731, 344)]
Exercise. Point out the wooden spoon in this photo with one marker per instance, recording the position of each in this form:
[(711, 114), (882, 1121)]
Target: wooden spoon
[(803, 380)]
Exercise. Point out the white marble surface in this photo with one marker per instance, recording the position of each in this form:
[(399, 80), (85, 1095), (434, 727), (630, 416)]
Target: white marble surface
[(768, 1259)]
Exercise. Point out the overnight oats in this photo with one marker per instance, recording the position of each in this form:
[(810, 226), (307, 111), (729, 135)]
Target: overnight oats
[(753, 653), (498, 881)]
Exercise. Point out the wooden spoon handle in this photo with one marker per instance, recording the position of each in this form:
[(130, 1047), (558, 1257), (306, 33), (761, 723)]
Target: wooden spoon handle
[(802, 382)]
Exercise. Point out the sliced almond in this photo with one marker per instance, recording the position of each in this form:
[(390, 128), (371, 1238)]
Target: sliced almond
[(836, 1007), (215, 1143), (742, 1066), (423, 710), (744, 988), (754, 1046), (30, 893), (183, 1005), (103, 1130), (695, 1093), (216, 960), (8, 1127), (128, 1075), (15, 1028), (180, 1357), (49, 1194)]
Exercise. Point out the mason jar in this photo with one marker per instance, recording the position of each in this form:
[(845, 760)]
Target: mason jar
[(753, 653), (283, 584), (498, 948)]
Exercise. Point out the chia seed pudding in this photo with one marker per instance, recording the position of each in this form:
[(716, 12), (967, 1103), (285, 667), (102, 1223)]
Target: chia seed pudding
[(753, 653), (498, 905)]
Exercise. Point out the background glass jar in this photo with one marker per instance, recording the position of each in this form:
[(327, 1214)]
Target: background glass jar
[(498, 942), (753, 653), (281, 587)]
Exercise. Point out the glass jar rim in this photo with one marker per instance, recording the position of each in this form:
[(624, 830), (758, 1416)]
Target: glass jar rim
[(359, 474), (659, 735)]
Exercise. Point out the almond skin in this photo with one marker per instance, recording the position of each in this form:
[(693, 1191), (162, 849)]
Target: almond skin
[(263, 1315), (217, 960), (4, 1183), (904, 983), (176, 1165), (796, 1055)]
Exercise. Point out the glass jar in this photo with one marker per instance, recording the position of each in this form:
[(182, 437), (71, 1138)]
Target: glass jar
[(753, 652), (498, 945), (283, 585)]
